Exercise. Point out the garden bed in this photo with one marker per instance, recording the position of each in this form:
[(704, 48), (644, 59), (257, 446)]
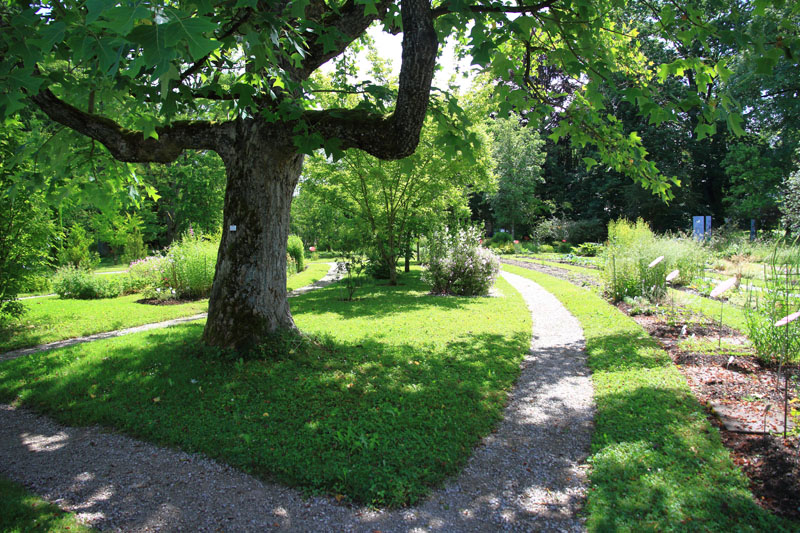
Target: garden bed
[(692, 341), (743, 399)]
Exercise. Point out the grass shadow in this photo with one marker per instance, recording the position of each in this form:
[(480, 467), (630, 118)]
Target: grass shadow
[(377, 419)]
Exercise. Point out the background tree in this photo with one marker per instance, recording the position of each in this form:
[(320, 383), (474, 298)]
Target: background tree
[(518, 158), (26, 229), (389, 201)]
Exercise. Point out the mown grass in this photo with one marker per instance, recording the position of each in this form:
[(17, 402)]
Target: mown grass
[(51, 318), (572, 268), (391, 402), (732, 316), (657, 463), (21, 511), (313, 273)]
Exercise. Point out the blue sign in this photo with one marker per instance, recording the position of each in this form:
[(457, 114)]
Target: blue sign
[(701, 227), (698, 227)]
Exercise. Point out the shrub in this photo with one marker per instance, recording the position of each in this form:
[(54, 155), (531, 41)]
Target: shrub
[(564, 248), (589, 249), (546, 249), (291, 265), (296, 249), (75, 251), (459, 265), (144, 273), (631, 249), (502, 238), (81, 284), (134, 247)]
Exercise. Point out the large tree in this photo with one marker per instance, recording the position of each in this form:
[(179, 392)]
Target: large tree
[(137, 78)]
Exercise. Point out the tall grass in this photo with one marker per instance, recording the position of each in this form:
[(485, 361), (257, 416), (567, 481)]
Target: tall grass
[(631, 249), (185, 270), (777, 299)]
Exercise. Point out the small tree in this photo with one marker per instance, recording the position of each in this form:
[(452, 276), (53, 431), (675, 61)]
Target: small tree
[(790, 208)]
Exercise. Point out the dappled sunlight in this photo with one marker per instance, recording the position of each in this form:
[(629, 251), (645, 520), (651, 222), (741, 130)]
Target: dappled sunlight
[(322, 416), (44, 443)]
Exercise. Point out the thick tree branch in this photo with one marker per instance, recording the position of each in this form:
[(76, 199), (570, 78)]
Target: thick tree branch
[(131, 146), (397, 135), (350, 22)]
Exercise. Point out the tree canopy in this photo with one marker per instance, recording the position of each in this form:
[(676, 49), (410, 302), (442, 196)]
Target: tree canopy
[(149, 80)]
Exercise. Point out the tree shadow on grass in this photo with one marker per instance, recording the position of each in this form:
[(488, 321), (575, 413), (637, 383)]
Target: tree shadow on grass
[(659, 464), (378, 422)]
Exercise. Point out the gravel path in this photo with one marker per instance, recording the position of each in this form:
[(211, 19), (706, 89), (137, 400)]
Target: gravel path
[(329, 278), (576, 278), (529, 475)]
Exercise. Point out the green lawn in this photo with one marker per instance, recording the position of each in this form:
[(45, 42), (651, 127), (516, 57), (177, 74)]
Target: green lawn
[(573, 268), (118, 267), (390, 402), (657, 463), (732, 316), (21, 511), (313, 273), (51, 318)]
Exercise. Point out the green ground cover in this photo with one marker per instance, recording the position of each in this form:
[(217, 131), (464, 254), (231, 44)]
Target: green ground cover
[(111, 267), (732, 316), (313, 273), (391, 400), (51, 318), (21, 511), (657, 463), (572, 268)]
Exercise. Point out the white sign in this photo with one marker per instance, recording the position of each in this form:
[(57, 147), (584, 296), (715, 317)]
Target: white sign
[(233, 228)]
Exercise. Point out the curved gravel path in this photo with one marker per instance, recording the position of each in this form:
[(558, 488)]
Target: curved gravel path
[(329, 278), (529, 475)]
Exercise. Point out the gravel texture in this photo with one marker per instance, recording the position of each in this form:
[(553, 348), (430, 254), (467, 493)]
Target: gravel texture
[(329, 278), (529, 475)]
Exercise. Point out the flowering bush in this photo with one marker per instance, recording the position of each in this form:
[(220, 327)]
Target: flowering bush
[(295, 248), (458, 265), (186, 270)]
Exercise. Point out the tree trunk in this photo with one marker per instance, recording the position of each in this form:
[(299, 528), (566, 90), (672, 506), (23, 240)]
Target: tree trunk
[(248, 298), (407, 267)]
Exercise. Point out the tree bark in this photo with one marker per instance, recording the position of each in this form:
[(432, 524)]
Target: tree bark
[(248, 298)]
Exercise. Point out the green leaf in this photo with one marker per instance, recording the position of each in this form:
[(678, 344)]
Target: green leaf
[(52, 35), (734, 121), (192, 31), (590, 162)]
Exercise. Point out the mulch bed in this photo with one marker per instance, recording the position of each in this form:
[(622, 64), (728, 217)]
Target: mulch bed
[(156, 301), (735, 383)]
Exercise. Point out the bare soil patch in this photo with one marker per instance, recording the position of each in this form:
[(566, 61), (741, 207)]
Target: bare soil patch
[(170, 301)]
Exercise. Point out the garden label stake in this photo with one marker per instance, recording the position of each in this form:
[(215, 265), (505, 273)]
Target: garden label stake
[(784, 323), (670, 278), (718, 290)]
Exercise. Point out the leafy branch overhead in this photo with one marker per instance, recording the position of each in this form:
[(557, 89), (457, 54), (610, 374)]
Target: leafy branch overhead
[(257, 57)]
